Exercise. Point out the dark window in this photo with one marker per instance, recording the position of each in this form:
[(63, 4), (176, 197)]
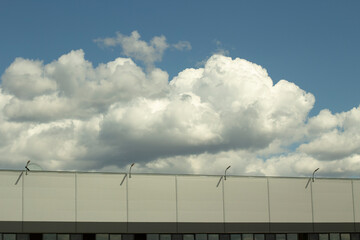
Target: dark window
[(115, 236), (140, 236), (176, 237), (302, 236), (63, 237), (355, 236), (102, 236), (215, 237), (224, 237), (313, 236), (188, 237), (334, 236), (152, 236), (270, 236), (200, 236), (87, 236), (7, 236), (35, 236), (235, 236), (165, 237), (22, 237), (292, 236), (127, 237), (247, 236), (49, 236), (76, 237), (323, 236)]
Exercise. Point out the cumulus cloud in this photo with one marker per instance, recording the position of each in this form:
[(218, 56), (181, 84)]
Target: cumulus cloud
[(138, 49), (25, 79), (182, 45), (79, 90), (333, 136), (69, 114)]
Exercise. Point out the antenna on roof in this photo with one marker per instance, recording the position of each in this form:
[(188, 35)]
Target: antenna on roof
[(312, 179), (225, 172), (313, 175), (130, 169), (27, 167)]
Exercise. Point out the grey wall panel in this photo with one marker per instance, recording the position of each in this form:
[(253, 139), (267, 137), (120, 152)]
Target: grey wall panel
[(11, 196), (49, 196), (246, 199), (199, 200), (290, 201), (151, 199), (332, 201), (356, 191), (100, 198)]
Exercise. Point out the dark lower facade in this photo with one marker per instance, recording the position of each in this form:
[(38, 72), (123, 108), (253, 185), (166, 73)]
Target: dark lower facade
[(184, 236), (174, 227)]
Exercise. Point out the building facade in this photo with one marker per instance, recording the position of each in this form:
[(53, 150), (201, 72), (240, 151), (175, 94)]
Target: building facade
[(40, 205)]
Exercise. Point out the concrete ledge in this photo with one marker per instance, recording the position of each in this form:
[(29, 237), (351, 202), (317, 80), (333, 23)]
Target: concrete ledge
[(334, 227), (291, 227), (200, 227), (101, 227), (150, 227), (247, 227), (10, 226), (49, 227), (166, 227), (357, 227)]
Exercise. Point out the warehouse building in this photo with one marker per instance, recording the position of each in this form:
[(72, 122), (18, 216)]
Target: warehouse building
[(43, 205)]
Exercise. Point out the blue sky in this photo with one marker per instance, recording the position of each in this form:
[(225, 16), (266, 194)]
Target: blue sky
[(313, 45)]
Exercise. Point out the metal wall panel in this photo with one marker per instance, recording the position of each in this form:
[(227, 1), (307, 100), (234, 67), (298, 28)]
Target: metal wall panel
[(151, 199), (332, 200), (49, 196), (100, 197), (290, 201), (11, 196), (356, 191), (92, 202), (199, 200), (246, 200)]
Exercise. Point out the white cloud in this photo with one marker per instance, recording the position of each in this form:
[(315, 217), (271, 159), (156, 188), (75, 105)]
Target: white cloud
[(138, 49), (69, 114), (147, 52), (79, 90), (182, 45), (25, 79), (333, 136)]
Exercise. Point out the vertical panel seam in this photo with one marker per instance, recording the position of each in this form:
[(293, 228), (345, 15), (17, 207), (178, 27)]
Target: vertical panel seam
[(176, 204), (22, 202), (127, 204), (223, 200), (353, 202), (75, 202), (312, 207), (268, 193)]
